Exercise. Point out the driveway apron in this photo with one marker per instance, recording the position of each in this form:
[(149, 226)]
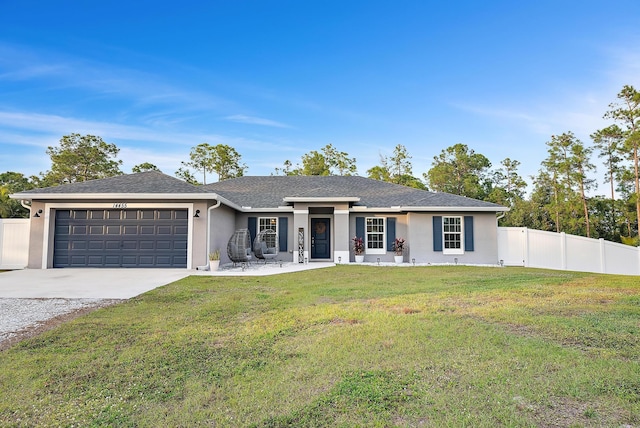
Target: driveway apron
[(85, 283)]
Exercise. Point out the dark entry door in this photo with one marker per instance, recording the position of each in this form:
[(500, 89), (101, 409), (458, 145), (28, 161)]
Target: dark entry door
[(320, 238)]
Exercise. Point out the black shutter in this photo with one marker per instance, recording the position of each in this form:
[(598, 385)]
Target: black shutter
[(437, 233), (360, 227), (391, 232), (282, 233), (468, 233), (253, 227)]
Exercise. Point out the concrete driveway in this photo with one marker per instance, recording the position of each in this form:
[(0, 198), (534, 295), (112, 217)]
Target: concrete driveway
[(85, 283)]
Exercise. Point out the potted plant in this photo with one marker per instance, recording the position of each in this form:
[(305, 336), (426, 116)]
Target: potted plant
[(214, 260), (358, 248), (398, 249)]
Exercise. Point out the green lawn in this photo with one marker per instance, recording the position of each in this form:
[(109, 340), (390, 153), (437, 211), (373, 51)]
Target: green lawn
[(344, 346)]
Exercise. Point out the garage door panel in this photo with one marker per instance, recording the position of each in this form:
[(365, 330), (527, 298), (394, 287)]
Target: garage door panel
[(130, 260), (78, 230), (164, 230), (79, 245), (78, 260), (164, 245), (147, 230), (113, 229), (111, 238), (147, 214), (61, 244), (96, 261), (111, 245), (130, 229), (147, 245), (111, 260), (146, 260), (164, 260), (96, 229), (180, 230), (96, 245)]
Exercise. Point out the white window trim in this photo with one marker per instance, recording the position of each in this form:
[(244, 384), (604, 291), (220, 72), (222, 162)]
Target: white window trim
[(382, 250), (269, 218), (453, 251)]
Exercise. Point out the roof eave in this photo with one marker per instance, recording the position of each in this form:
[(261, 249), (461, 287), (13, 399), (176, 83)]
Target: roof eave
[(397, 209), (321, 199), (97, 196)]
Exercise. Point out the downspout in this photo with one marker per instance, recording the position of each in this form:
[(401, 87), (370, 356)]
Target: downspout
[(209, 210), (24, 205)]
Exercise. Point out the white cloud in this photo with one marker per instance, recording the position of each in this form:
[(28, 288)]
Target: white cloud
[(251, 120)]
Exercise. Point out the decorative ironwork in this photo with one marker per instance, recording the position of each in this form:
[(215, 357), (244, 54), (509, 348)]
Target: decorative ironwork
[(301, 245)]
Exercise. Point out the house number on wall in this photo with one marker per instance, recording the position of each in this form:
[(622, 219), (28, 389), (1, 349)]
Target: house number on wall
[(120, 205)]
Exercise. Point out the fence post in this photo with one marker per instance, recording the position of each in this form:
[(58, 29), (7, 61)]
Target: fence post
[(525, 243), (563, 251), (1, 238), (603, 257)]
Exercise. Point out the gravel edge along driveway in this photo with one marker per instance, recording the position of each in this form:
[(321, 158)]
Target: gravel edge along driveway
[(24, 318)]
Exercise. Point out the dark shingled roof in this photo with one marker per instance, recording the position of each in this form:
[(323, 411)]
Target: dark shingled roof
[(142, 182), (269, 192)]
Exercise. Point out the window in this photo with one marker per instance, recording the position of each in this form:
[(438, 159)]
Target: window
[(452, 235), (375, 236), (265, 223)]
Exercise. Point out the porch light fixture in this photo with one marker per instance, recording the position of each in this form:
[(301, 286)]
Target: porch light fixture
[(197, 214), (37, 215)]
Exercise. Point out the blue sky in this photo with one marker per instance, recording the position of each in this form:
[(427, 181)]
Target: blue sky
[(277, 79)]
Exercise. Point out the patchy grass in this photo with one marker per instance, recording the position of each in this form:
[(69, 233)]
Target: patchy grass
[(345, 346)]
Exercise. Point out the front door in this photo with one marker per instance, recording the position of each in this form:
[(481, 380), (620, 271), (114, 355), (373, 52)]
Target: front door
[(320, 238)]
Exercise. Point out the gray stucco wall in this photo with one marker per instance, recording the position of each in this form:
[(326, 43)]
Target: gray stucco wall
[(223, 224), (485, 236), (36, 236), (242, 221), (402, 231)]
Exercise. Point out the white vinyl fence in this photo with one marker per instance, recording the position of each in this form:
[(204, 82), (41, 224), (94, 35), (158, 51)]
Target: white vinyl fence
[(14, 243), (519, 246)]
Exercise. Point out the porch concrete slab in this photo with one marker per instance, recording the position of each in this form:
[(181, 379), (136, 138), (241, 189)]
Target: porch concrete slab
[(85, 283), (263, 269)]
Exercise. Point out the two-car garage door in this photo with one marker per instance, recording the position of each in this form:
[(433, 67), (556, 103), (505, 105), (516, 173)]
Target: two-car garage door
[(113, 238)]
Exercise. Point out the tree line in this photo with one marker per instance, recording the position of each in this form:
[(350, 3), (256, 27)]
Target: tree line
[(559, 199)]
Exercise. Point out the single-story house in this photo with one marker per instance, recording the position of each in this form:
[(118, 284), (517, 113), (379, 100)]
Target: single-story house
[(154, 220)]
